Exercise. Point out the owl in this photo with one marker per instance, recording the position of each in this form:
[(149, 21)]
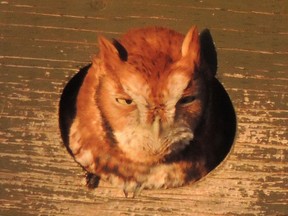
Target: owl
[(148, 112)]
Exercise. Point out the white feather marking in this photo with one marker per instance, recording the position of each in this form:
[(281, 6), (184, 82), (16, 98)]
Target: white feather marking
[(74, 138), (82, 156), (85, 158), (139, 143), (176, 85)]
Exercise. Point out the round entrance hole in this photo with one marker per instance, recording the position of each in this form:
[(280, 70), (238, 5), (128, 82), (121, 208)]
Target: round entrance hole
[(182, 151)]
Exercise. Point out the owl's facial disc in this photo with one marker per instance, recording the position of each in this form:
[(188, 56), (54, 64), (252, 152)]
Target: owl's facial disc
[(151, 103), (151, 123)]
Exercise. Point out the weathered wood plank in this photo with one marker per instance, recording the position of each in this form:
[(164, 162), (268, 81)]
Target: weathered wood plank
[(42, 43)]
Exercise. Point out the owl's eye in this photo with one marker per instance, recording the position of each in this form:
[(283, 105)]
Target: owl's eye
[(186, 100), (124, 101)]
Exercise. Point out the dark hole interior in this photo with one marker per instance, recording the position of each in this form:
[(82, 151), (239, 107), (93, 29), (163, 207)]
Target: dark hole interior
[(213, 137)]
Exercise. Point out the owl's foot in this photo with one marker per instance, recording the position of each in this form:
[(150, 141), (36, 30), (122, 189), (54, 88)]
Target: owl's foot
[(133, 187)]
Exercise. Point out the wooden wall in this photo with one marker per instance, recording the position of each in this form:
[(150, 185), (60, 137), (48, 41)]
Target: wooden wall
[(43, 43)]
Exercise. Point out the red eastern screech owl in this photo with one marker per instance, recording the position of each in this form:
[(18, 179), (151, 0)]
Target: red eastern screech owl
[(148, 112)]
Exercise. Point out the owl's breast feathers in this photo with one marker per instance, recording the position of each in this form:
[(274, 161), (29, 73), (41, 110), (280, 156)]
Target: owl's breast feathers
[(144, 85)]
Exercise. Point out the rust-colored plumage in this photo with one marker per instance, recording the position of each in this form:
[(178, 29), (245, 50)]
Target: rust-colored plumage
[(148, 112)]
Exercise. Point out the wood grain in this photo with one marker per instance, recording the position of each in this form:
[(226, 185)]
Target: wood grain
[(43, 43)]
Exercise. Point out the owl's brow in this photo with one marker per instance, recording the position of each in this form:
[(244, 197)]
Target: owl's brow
[(191, 87)]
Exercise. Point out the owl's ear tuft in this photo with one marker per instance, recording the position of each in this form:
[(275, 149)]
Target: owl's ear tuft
[(111, 54), (122, 52), (106, 47), (191, 46), (208, 51)]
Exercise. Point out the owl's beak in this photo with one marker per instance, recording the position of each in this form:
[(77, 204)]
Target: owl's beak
[(156, 127)]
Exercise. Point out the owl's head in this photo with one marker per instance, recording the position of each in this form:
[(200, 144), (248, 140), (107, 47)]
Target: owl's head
[(152, 92)]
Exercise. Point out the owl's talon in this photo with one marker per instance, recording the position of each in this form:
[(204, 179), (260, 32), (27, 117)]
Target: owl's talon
[(126, 193), (126, 189), (138, 190), (133, 187)]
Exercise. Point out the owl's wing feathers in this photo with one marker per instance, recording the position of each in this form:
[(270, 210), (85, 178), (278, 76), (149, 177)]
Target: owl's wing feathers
[(67, 104)]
